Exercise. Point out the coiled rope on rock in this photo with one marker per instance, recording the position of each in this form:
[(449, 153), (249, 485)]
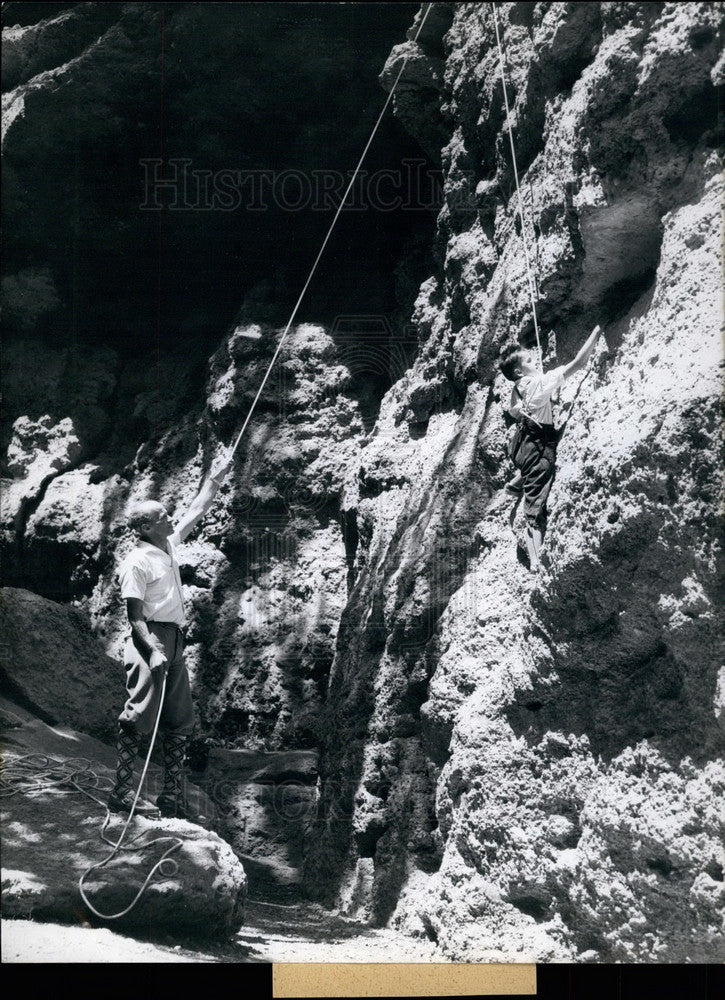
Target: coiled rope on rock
[(36, 773), (524, 238)]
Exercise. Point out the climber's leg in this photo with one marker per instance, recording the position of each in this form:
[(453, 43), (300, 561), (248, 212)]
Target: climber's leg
[(536, 459), (172, 801), (534, 538), (143, 687), (123, 794), (177, 715), (177, 720), (143, 691), (127, 747)]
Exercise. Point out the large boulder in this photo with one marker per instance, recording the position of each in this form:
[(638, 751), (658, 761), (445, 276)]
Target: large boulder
[(51, 835), (53, 664)]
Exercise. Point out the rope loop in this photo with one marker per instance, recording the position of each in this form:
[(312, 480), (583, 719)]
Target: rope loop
[(168, 867)]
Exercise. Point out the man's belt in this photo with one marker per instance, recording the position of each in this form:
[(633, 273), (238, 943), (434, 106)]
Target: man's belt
[(540, 432), (179, 628)]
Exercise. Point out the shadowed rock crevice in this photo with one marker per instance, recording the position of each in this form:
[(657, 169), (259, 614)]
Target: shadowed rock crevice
[(402, 597)]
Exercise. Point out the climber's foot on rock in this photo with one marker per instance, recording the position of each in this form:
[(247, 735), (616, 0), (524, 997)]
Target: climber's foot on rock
[(122, 803)]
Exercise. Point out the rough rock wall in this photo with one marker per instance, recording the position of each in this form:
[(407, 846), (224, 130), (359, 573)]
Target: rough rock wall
[(112, 313), (265, 578), (527, 767), (122, 289), (509, 762)]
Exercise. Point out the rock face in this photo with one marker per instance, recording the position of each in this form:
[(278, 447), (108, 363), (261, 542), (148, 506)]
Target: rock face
[(172, 150), (202, 893), (520, 767), (265, 579), (269, 804), (54, 665), (526, 767)]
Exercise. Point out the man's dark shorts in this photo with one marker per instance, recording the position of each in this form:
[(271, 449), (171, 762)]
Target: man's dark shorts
[(535, 457), (144, 688)]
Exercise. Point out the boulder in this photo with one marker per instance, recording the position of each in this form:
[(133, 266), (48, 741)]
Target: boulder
[(53, 664), (52, 835)]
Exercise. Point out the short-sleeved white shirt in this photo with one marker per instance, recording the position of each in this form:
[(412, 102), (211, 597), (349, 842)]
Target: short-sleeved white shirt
[(533, 398), (153, 577)]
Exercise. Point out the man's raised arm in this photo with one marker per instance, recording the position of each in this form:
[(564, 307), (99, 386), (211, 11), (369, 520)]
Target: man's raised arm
[(205, 497)]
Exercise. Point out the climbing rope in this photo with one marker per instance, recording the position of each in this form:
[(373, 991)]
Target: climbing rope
[(38, 773), (35, 773), (536, 232), (327, 237), (166, 865), (518, 188)]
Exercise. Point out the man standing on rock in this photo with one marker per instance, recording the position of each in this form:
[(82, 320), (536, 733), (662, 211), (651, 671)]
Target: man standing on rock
[(151, 586)]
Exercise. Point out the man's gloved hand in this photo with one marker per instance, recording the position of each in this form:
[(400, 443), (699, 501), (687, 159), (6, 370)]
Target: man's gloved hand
[(158, 663)]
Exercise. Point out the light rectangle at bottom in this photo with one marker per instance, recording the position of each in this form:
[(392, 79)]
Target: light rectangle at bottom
[(382, 979)]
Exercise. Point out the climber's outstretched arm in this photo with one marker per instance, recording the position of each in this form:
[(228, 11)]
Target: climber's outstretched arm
[(584, 354), (204, 498)]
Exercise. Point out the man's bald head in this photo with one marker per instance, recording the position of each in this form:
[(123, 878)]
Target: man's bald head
[(144, 513)]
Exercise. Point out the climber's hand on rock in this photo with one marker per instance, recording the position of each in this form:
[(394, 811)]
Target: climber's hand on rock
[(158, 662)]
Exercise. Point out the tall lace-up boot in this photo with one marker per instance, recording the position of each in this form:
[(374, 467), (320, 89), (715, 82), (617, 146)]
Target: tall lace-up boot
[(172, 801), (123, 794)]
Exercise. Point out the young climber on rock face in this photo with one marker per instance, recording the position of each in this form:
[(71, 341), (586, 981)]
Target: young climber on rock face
[(533, 446), (151, 587)]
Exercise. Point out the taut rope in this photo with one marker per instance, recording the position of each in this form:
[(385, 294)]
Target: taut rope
[(327, 237), (518, 188)]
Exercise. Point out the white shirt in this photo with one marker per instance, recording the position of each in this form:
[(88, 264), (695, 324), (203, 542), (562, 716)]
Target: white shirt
[(153, 577), (533, 398)]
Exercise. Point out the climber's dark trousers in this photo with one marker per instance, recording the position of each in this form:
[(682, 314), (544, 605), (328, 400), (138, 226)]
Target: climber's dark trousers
[(144, 688), (536, 458)]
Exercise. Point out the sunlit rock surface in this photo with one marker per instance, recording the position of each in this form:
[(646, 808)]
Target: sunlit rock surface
[(522, 768), (527, 767)]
